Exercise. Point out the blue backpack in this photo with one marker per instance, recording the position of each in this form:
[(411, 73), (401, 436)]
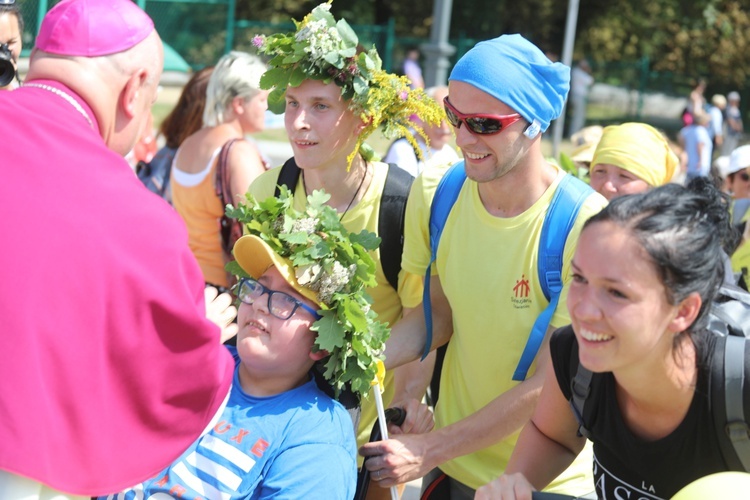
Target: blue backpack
[(561, 215)]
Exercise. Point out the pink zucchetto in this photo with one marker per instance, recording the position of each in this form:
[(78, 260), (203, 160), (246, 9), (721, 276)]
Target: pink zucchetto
[(92, 28)]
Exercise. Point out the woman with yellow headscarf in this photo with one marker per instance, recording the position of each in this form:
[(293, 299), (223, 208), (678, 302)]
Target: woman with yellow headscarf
[(631, 158)]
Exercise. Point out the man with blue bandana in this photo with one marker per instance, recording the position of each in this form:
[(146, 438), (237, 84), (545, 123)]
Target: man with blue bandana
[(485, 292)]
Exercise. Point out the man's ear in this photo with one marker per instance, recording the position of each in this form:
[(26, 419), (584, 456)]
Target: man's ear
[(132, 91), (318, 355), (362, 125)]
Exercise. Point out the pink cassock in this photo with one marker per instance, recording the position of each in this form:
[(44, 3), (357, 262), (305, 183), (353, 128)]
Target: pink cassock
[(108, 367)]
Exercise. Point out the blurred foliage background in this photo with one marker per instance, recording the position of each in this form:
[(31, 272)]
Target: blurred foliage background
[(645, 46)]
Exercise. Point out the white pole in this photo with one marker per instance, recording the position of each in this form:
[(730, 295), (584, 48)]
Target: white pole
[(567, 59), (383, 424)]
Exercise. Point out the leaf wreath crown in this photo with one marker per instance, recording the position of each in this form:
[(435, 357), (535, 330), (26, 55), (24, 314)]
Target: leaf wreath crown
[(325, 49), (338, 267)]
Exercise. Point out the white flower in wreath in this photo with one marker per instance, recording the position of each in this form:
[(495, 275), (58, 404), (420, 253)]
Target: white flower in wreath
[(323, 42), (306, 225), (310, 29)]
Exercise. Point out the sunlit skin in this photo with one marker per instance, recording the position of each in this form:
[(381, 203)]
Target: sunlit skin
[(739, 186), (251, 112), (617, 303), (322, 129), (276, 354), (612, 181), (136, 88), (487, 157)]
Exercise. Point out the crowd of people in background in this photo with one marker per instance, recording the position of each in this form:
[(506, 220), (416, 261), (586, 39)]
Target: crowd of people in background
[(124, 387)]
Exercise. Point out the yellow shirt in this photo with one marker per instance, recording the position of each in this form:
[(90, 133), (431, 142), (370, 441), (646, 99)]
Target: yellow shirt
[(741, 256), (387, 302), (488, 270)]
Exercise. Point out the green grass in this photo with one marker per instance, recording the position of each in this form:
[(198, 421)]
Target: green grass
[(160, 110)]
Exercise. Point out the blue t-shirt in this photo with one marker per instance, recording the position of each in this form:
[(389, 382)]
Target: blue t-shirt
[(297, 444)]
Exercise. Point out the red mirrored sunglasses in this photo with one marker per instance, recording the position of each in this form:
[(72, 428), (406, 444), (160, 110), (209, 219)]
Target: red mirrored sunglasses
[(478, 123)]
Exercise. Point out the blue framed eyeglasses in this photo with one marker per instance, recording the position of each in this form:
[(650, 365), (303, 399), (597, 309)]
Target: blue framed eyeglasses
[(281, 305)]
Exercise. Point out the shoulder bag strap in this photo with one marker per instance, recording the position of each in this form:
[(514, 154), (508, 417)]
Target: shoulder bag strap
[(224, 192), (222, 184)]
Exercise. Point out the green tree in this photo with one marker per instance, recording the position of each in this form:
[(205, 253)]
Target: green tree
[(698, 38)]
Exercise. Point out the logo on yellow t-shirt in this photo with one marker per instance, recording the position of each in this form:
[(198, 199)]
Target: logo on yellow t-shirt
[(521, 291)]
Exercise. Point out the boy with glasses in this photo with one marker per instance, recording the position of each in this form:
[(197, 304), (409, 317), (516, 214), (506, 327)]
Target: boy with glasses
[(280, 434), (485, 290)]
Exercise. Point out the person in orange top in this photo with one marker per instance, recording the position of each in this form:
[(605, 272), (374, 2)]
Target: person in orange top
[(235, 106)]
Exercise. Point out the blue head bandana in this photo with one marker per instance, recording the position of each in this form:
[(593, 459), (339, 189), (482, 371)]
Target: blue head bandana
[(514, 71)]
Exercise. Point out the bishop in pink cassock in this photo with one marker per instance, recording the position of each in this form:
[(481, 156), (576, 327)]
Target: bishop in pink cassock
[(109, 368)]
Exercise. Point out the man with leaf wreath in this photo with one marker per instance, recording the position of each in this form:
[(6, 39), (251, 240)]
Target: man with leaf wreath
[(334, 97)]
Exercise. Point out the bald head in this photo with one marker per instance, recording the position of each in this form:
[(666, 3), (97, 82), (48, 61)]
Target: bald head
[(108, 52)]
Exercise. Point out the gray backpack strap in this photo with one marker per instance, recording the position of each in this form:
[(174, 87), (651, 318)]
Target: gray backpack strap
[(580, 388), (734, 382)]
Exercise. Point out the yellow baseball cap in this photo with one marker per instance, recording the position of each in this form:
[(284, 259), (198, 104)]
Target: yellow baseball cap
[(255, 256)]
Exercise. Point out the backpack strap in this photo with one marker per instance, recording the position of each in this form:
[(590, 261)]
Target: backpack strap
[(445, 197), (580, 388), (390, 218), (288, 176), (728, 367), (562, 213), (391, 221)]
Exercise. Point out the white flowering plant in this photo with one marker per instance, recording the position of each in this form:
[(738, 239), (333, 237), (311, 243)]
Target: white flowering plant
[(338, 267)]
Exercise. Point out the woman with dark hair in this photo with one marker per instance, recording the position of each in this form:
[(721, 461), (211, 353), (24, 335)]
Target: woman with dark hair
[(184, 120), (646, 270), (11, 43), (187, 116)]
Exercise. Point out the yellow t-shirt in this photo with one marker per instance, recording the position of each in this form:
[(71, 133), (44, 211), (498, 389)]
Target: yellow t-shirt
[(387, 302), (741, 256), (488, 270)]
